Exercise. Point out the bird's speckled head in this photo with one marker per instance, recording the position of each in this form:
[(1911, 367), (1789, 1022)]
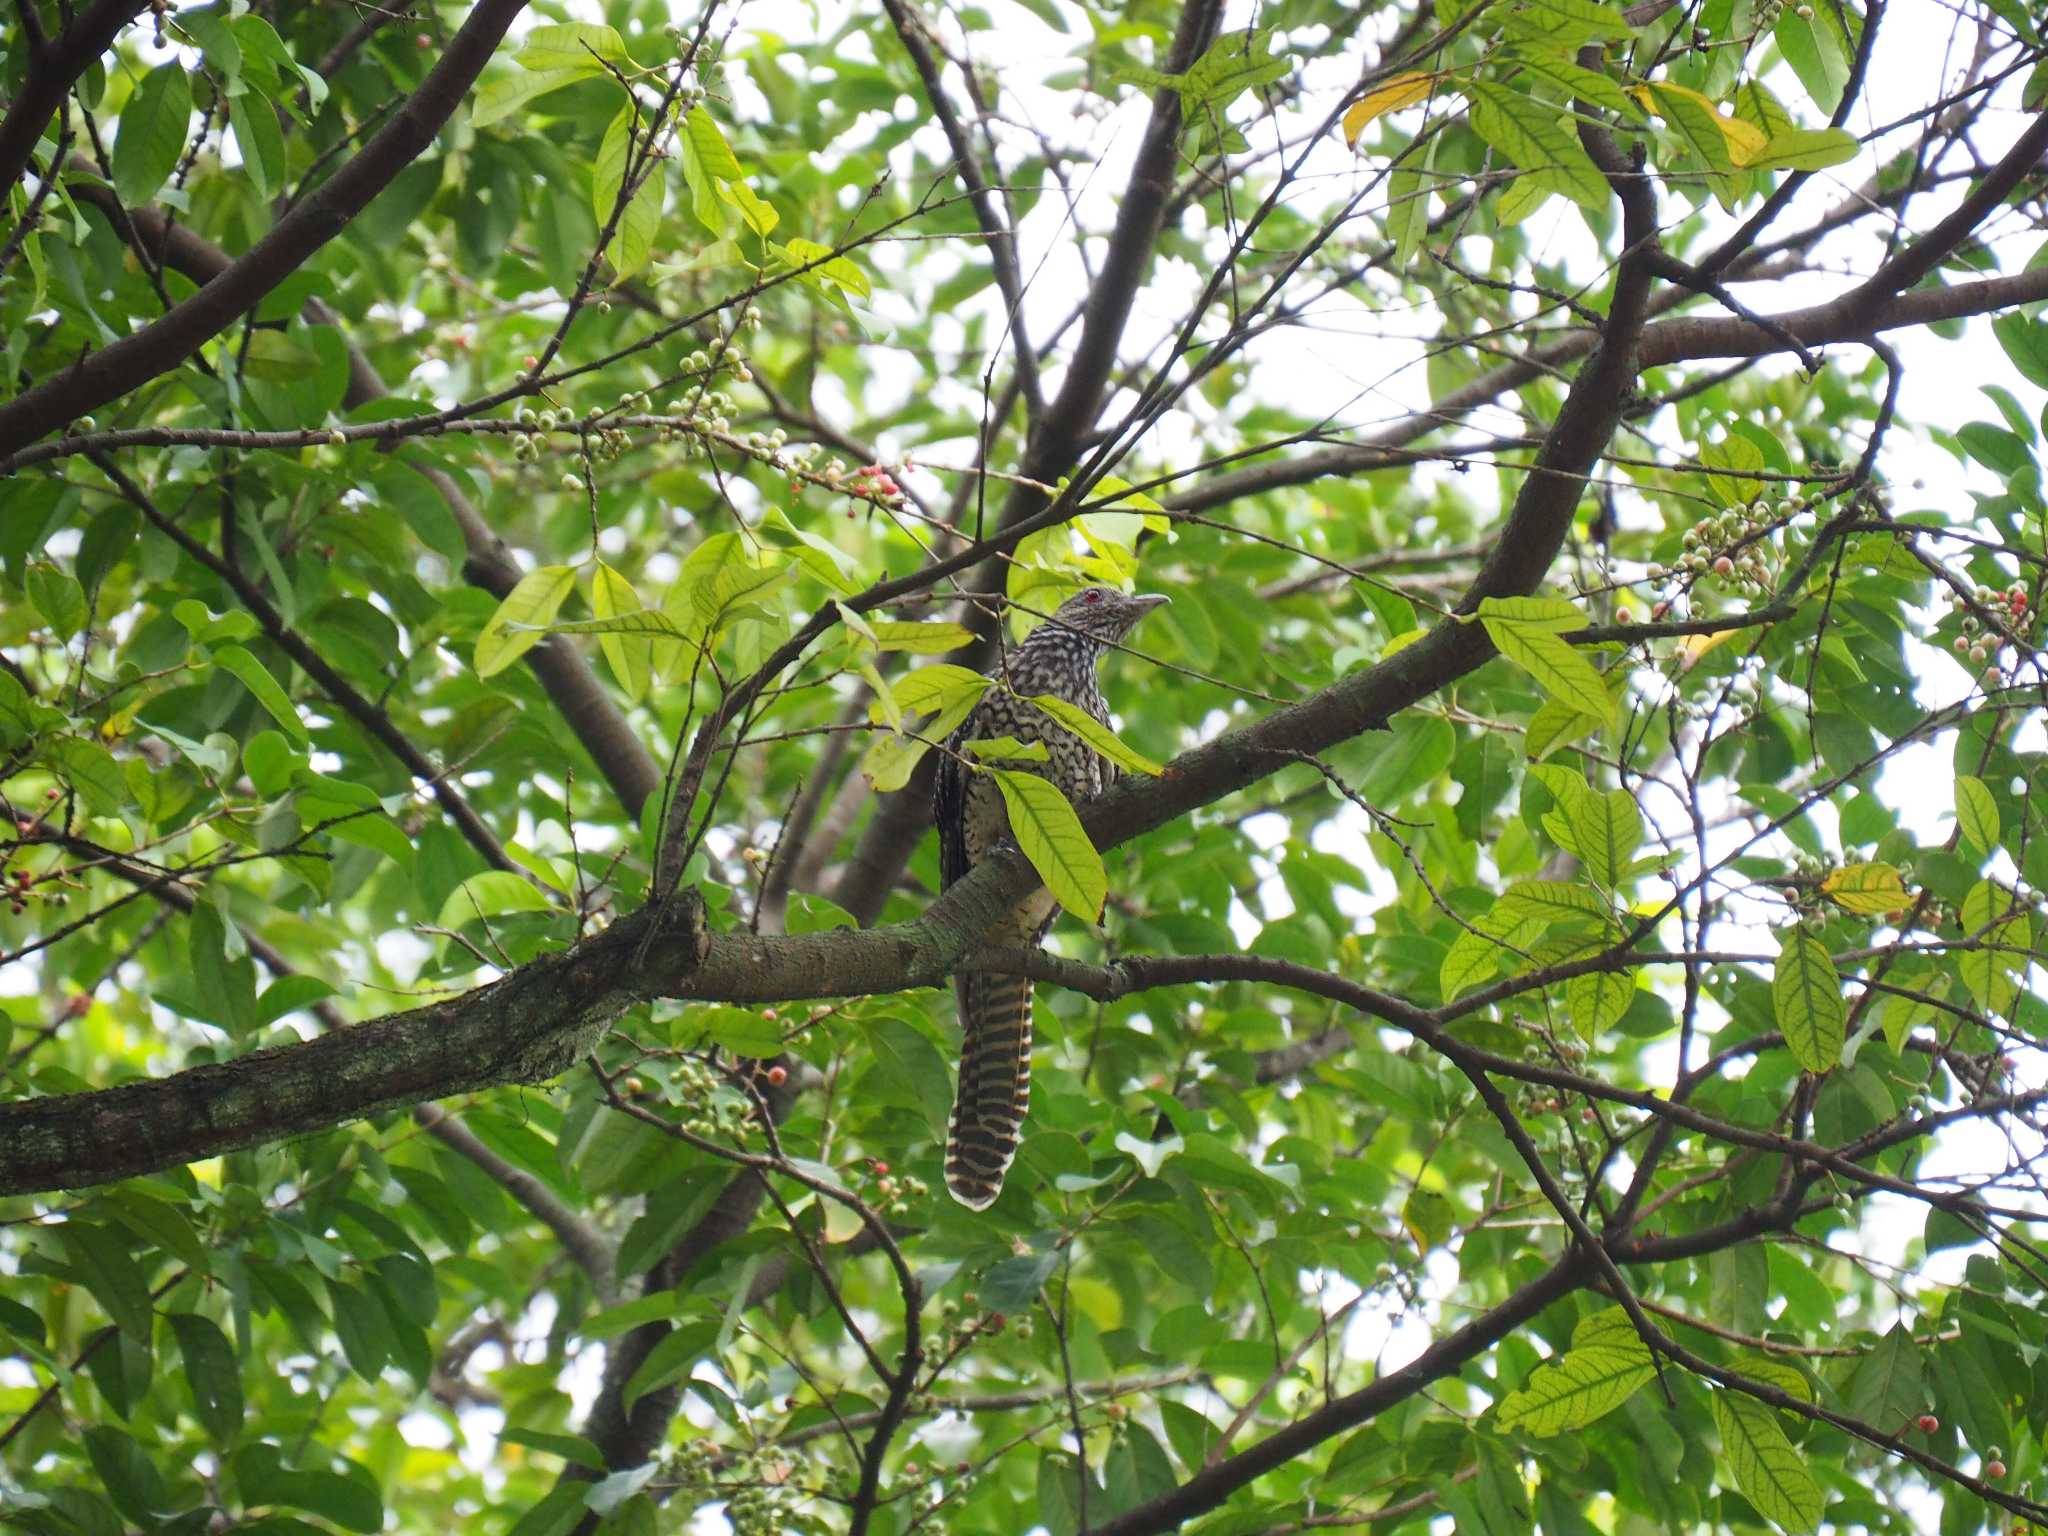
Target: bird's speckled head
[(1102, 613)]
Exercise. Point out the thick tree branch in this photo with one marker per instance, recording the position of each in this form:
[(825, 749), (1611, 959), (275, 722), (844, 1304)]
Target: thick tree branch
[(124, 365), (1212, 1485), (53, 70), (760, 968)]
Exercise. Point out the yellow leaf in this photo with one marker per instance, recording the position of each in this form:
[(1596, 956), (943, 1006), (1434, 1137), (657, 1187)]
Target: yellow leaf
[(1390, 96), (1745, 141), (1692, 648), (1874, 889)]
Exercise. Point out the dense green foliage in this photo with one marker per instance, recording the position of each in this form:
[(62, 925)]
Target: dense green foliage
[(1608, 978)]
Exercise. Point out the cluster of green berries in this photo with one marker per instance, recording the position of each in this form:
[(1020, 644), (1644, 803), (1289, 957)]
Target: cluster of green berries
[(1767, 12), (1729, 549), (1402, 1282), (894, 1194), (2012, 608), (960, 1321), (712, 1107), (752, 1483)]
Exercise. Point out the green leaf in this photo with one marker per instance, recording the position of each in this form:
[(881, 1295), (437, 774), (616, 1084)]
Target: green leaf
[(741, 1031), (1805, 149), (1005, 749), (1738, 453), (918, 1070), (535, 601), (90, 769), (1553, 901), (117, 1281), (1098, 736), (1767, 1469), (1600, 1372), (1976, 813), (259, 140), (608, 169), (130, 1477), (2025, 341), (363, 1328), (1525, 630), (1566, 24), (211, 1375), (151, 138), (500, 98), (263, 1479), (1560, 671), (1606, 830), (1887, 1386), (1407, 214), (610, 595), (670, 1360), (560, 1512), (58, 597), (573, 1449), (1537, 137), (638, 226), (2003, 930), (919, 639), (1597, 1001), (1817, 50), (572, 45), (255, 677), (939, 686), (1807, 997), (670, 1212), (1012, 1285), (1047, 830), (713, 153), (491, 894)]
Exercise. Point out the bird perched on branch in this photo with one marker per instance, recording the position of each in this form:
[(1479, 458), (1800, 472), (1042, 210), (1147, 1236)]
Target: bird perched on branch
[(1058, 658)]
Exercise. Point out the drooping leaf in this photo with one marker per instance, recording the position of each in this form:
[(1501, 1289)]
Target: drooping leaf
[(150, 139), (1043, 821), (1599, 1373), (1768, 1470), (1391, 95), (533, 602), (1806, 994)]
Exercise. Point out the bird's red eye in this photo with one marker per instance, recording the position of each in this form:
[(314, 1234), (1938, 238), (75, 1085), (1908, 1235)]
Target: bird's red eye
[(1093, 597)]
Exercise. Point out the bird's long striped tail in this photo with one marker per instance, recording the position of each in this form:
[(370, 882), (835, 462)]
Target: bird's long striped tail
[(995, 1085)]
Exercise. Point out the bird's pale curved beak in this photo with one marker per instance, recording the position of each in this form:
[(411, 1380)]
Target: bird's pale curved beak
[(1147, 601)]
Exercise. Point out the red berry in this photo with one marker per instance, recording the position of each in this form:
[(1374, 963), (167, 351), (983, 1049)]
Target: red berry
[(1994, 1470), (777, 1076), (768, 1014), (1928, 1423), (879, 1167)]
